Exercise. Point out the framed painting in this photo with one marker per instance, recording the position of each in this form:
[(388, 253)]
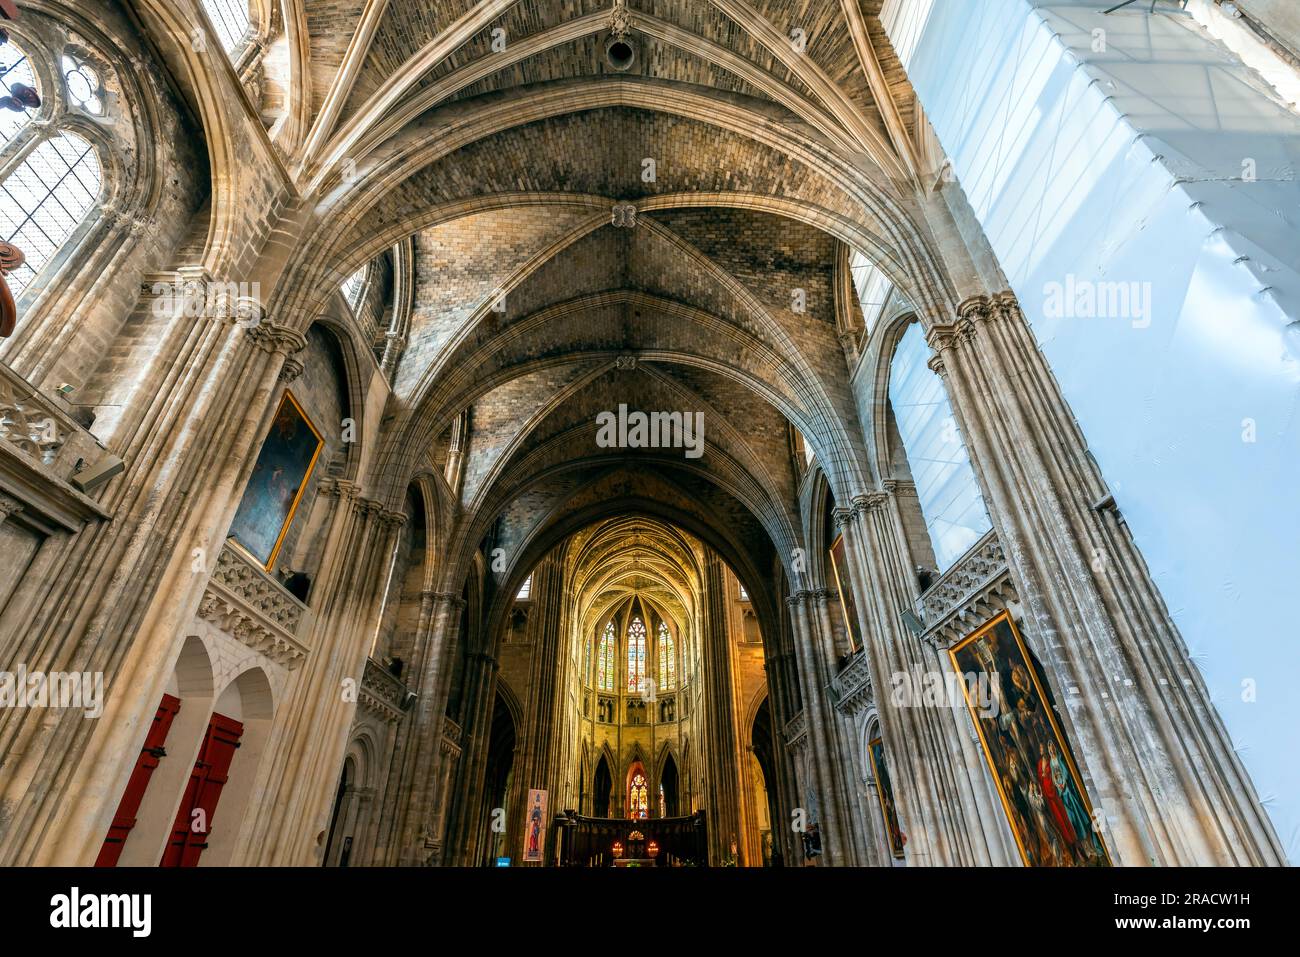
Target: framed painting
[(885, 792), (1032, 765), (844, 586), (276, 487), (535, 827)]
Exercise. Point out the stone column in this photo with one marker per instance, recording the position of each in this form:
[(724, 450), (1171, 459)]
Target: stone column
[(722, 777), (417, 791), (815, 646), (388, 842), (467, 826), (310, 738), (1152, 750), (934, 787), (125, 589)]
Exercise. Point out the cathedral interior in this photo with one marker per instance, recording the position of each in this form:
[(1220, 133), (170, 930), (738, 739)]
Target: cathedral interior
[(649, 433)]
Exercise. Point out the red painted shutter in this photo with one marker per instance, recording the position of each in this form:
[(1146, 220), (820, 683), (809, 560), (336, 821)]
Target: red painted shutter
[(211, 771), (138, 783)]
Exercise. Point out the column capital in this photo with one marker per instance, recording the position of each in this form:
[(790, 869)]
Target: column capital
[(273, 338), (869, 501), (448, 598)]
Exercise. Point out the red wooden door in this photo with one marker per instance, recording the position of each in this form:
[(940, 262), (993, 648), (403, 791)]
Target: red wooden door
[(211, 771), (150, 755)]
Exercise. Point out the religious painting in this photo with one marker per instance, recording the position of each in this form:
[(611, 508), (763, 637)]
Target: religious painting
[(276, 486), (885, 792), (535, 827), (1033, 767), (844, 585)]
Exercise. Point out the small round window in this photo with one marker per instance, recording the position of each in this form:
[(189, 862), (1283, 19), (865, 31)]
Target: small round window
[(84, 89)]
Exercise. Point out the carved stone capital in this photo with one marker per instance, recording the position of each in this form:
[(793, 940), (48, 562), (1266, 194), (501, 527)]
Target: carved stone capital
[(842, 516), (274, 338), (293, 368), (9, 506), (869, 501)]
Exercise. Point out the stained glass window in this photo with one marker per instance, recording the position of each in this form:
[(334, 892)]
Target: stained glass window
[(15, 68), (44, 200), (230, 19), (667, 659), (605, 659), (638, 802), (636, 655), (663, 805)]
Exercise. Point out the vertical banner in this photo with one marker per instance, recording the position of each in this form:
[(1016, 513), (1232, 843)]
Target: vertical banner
[(535, 827)]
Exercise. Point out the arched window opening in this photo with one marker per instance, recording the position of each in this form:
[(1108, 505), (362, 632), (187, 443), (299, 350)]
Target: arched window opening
[(18, 82), (667, 659), (950, 498), (873, 288), (44, 200), (636, 654), (605, 659), (638, 801), (85, 90), (525, 590), (230, 20), (353, 286)]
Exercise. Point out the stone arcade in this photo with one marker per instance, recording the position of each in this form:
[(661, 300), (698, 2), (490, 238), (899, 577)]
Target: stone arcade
[(309, 454)]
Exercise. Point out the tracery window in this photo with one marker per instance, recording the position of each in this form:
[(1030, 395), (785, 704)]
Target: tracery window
[(950, 498), (353, 287), (15, 70), (663, 804), (636, 654), (605, 659), (51, 180), (638, 802), (667, 659), (230, 20), (45, 198), (85, 90)]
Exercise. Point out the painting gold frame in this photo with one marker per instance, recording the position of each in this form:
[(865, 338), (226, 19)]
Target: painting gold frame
[(1062, 741), (849, 605), (895, 846), (287, 397)]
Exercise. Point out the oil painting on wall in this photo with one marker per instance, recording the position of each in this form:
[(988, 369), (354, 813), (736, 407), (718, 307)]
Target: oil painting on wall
[(885, 791), (840, 569), (276, 486), (1026, 750)]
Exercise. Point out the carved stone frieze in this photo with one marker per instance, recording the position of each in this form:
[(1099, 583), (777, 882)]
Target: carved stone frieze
[(250, 606), (381, 693), (796, 731), (968, 594), (853, 687), (29, 423)]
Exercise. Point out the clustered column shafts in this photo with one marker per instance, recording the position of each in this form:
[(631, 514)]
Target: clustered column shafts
[(723, 780), (185, 463), (1153, 780), (312, 733)]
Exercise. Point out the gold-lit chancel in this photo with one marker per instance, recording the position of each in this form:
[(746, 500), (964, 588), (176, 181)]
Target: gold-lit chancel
[(1026, 750)]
